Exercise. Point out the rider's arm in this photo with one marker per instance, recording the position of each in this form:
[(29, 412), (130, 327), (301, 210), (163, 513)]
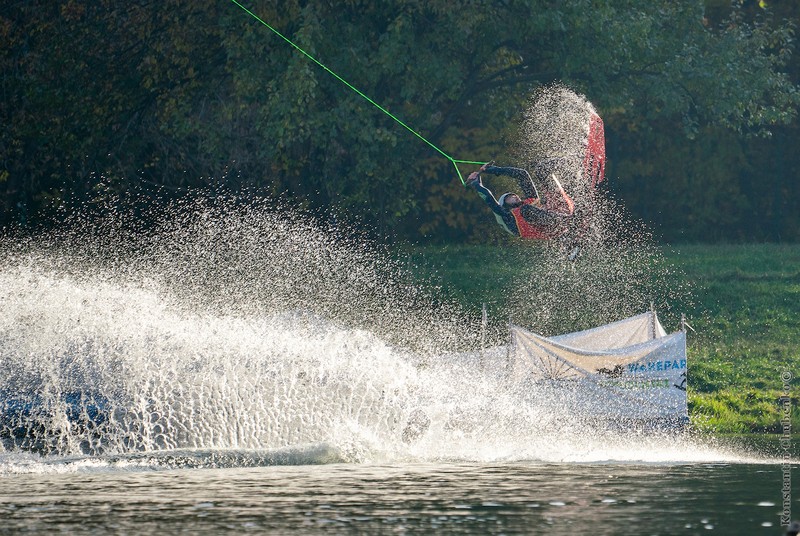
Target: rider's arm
[(522, 177)]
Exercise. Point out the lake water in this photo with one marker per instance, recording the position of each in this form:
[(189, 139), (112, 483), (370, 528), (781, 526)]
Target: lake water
[(171, 493)]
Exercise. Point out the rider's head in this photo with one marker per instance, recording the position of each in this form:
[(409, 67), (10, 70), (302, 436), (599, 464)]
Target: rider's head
[(509, 200)]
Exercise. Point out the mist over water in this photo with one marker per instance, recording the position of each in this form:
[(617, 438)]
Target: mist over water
[(227, 326), (235, 333), (230, 328)]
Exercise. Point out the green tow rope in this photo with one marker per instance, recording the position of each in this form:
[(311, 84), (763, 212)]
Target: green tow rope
[(345, 82)]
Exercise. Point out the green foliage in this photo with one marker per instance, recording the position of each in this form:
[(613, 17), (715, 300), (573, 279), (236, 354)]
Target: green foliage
[(717, 187), (184, 95), (734, 412)]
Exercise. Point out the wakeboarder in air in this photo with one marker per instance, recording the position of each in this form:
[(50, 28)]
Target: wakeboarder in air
[(535, 217), (530, 216)]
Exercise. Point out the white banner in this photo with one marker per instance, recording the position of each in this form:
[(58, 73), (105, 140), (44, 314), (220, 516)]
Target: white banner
[(644, 380)]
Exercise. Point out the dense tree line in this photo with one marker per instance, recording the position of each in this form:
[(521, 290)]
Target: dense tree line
[(101, 99)]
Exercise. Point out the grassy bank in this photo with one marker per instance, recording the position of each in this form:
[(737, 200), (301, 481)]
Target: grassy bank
[(743, 303), (747, 321)]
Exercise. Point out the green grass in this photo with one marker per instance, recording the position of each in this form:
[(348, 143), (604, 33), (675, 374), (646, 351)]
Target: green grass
[(744, 305), (747, 321)]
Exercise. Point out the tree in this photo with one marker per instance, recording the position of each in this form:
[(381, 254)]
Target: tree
[(186, 95)]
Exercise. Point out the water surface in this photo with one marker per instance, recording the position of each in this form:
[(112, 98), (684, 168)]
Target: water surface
[(460, 498)]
